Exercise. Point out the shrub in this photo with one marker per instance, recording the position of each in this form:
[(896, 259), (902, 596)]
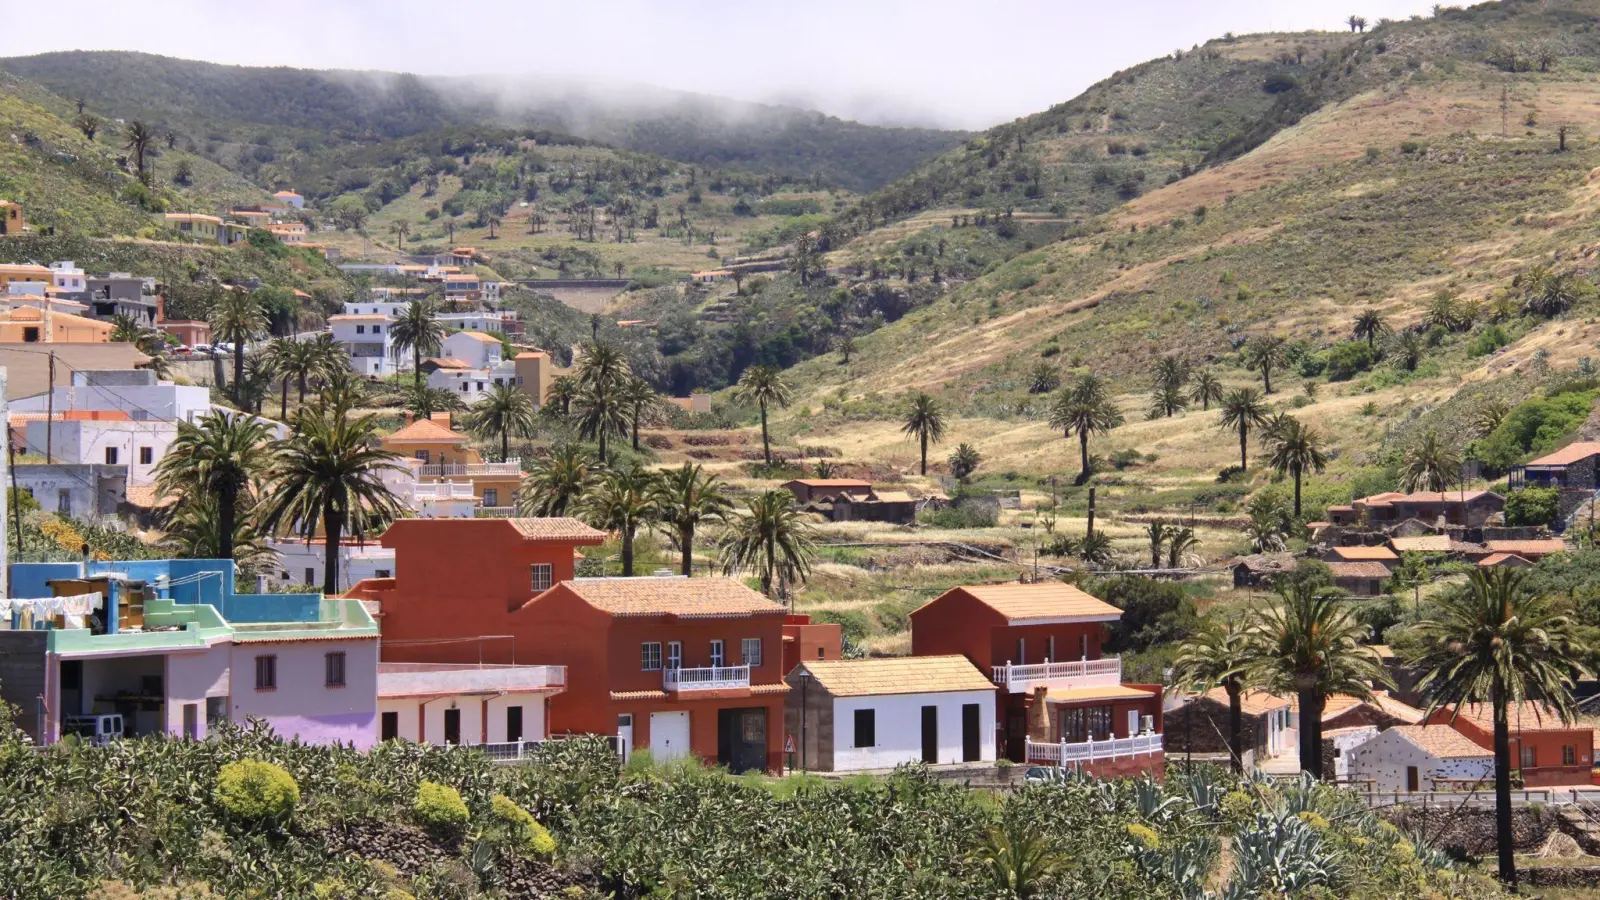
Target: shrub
[(1231, 473), (521, 826), (440, 808), (257, 792), (1346, 360), (965, 516), (1143, 835), (1488, 341), (1533, 506)]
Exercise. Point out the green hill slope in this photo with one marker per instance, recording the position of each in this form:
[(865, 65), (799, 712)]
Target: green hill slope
[(279, 111)]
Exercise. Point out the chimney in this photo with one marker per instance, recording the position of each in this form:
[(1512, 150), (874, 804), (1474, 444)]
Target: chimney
[(83, 566), (1039, 717)]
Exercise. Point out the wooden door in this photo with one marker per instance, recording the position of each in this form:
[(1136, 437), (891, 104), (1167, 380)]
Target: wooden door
[(971, 745), (930, 734), (1412, 779)]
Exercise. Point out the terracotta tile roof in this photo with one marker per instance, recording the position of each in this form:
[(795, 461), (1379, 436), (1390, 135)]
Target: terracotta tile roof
[(1528, 548), (1364, 554), (1529, 715), (245, 638), (1084, 695), (1441, 741), (898, 675), (428, 431), (1340, 704), (479, 336), (145, 496), (1501, 559), (446, 362), (1252, 703), (535, 354), (638, 695), (1569, 454), (363, 317), (1429, 543), (1044, 600), (670, 596), (830, 482), (1391, 497), (1358, 570), (556, 529)]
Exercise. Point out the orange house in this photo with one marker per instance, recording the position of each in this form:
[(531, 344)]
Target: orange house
[(1041, 644), (674, 665), (1548, 752), (28, 325), (447, 455)]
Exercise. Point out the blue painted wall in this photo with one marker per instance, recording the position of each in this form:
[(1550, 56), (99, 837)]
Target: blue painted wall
[(208, 581)]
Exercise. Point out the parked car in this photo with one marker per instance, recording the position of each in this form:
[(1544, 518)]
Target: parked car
[(98, 730), (1039, 774)]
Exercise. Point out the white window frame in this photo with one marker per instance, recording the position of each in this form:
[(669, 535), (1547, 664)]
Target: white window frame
[(750, 651), (542, 576), (650, 656), (719, 653), (674, 654)]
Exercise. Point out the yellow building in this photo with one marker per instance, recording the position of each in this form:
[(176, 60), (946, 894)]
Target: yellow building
[(536, 371), (23, 272), (289, 232), (198, 226), (11, 218), (447, 455), (28, 325)]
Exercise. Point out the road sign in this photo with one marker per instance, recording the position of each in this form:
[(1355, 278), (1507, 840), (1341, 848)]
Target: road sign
[(788, 744)]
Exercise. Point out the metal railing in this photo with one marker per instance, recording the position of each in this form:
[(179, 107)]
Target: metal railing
[(496, 512), (438, 470), (1091, 750), (443, 490), (706, 678), (1108, 670)]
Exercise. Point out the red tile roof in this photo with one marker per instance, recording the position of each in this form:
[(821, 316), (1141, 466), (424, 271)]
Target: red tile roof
[(1569, 454), (1358, 569), (1441, 741), (1044, 600), (1528, 548), (1364, 554), (426, 430), (556, 529), (674, 596)]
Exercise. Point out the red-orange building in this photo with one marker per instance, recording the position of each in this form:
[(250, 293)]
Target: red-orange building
[(674, 665), (807, 641), (1548, 752), (1059, 697)]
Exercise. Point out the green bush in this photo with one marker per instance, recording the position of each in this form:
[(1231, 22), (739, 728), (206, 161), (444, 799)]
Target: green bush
[(957, 517), (440, 808), (521, 827), (1533, 506), (1346, 360), (257, 792), (1488, 341), (1535, 426)]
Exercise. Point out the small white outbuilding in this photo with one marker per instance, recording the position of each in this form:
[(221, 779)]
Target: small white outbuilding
[(1420, 758), (857, 714)]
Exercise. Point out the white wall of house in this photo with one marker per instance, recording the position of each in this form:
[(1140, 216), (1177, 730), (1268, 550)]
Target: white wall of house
[(475, 712), (1343, 744), (1383, 762), (80, 491), (296, 559), (898, 727), (472, 385), (148, 401), (137, 445), (477, 353), (192, 677), (390, 308)]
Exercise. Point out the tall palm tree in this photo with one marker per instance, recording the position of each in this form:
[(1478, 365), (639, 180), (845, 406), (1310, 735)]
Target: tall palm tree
[(1297, 449), (925, 422), (1219, 654), (684, 498), (1205, 389), (773, 539), (1171, 372), (418, 330), (1242, 409), (1309, 643), (601, 374), (558, 400), (1429, 464), (763, 386), (504, 411), (1085, 408), (621, 500), (1498, 642), (329, 473), (1265, 353), (1370, 326), (963, 462), (137, 138), (641, 402), (194, 531), (401, 230), (125, 329), (1180, 546), (220, 456), (282, 359), (557, 479), (238, 318), (1167, 400)]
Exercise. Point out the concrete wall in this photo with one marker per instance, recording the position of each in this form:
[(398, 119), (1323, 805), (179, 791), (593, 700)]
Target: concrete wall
[(22, 676), (476, 713), (1383, 761), (355, 563), (90, 491), (302, 706), (88, 441), (192, 678), (898, 728)]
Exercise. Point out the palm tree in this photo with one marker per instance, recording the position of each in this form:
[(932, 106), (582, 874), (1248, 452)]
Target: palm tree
[(773, 539), (1085, 408), (563, 390), (504, 411), (1043, 378), (1180, 544), (1277, 423), (1498, 642), (282, 359), (1408, 348), (1170, 371), (763, 386), (1309, 643), (846, 345), (924, 421), (1268, 523), (1488, 416), (1297, 449), (419, 331), (1369, 326), (964, 462), (1157, 532), (1265, 353), (1443, 311), (238, 318), (684, 498), (1205, 389), (124, 329), (1219, 654), (193, 531), (1429, 464), (1242, 409), (1019, 860), (1095, 549), (219, 456), (557, 479), (621, 500), (1166, 400), (329, 473), (136, 139), (401, 231), (642, 403)]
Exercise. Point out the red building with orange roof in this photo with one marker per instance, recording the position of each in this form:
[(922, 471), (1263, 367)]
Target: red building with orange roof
[(1547, 751), (673, 665), (1059, 696)]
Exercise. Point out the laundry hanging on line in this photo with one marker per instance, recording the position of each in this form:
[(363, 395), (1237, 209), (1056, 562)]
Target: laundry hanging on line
[(75, 605)]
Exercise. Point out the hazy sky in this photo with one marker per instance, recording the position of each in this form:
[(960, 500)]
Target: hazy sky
[(947, 62)]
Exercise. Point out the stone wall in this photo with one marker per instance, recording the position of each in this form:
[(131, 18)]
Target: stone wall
[(1210, 732), (1471, 831)]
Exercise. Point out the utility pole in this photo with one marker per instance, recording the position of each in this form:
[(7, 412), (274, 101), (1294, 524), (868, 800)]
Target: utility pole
[(50, 411), (1505, 110), (1091, 512)]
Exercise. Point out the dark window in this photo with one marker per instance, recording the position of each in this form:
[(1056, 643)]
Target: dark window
[(333, 669), (382, 573), (452, 726), (30, 335), (147, 455), (111, 456), (1530, 757), (390, 729), (266, 673), (1082, 723), (971, 724), (718, 654), (513, 723), (866, 728), (491, 497), (1569, 755), (819, 653), (311, 575), (750, 651), (650, 656)]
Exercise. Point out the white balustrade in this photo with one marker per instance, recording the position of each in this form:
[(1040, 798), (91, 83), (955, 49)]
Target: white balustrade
[(706, 678), (1089, 672), (1088, 751)]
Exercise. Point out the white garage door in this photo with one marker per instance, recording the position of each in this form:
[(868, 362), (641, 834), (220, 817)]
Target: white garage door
[(669, 735)]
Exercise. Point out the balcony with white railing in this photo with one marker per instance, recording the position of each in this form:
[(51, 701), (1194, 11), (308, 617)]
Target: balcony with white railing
[(706, 678), (1090, 751), (496, 512), (1077, 674), (444, 490), (439, 679), (511, 466)]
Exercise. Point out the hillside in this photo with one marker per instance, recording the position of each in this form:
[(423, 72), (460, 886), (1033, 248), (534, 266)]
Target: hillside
[(280, 112), (1409, 186)]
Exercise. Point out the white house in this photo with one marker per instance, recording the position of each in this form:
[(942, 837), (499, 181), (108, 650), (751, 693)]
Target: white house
[(290, 198), (442, 704), (376, 307), (132, 391), (469, 384), (67, 278), (135, 446), (367, 341), (1344, 740), (77, 491), (482, 320), (879, 713), (476, 349), (300, 562), (1420, 758)]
